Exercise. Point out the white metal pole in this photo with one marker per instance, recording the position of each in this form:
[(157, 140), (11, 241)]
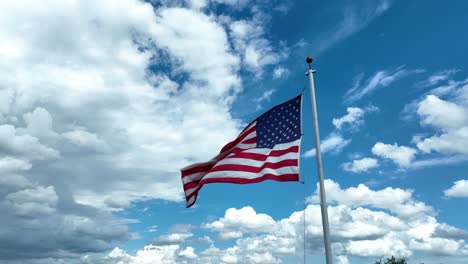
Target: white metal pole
[(323, 200)]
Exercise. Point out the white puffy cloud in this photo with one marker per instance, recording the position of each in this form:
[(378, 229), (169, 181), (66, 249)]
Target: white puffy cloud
[(181, 38), (249, 39), (279, 72), (342, 260), (442, 114), (397, 200), (149, 254), (171, 239), (15, 143), (353, 117), (33, 202), (459, 189), (364, 223), (334, 143), (450, 118), (401, 155), (88, 108), (39, 124), (360, 165), (198, 4), (82, 138), (446, 143), (95, 120), (188, 252), (245, 220), (8, 164), (387, 246)]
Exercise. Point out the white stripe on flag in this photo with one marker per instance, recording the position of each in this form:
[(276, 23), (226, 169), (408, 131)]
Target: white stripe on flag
[(193, 177), (257, 163), (276, 147), (251, 175)]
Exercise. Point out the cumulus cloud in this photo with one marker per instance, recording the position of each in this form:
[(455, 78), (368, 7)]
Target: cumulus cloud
[(398, 201), (188, 252), (354, 117), (459, 189), (442, 114), (364, 223), (85, 131), (342, 260), (360, 165), (334, 143), (171, 239), (450, 119), (401, 155), (33, 202), (8, 164), (149, 254), (249, 39), (237, 222), (15, 143)]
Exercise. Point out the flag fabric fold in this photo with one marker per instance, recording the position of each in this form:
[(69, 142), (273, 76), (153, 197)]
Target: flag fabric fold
[(267, 149)]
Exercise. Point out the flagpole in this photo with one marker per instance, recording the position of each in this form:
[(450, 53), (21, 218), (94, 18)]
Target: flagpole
[(323, 200)]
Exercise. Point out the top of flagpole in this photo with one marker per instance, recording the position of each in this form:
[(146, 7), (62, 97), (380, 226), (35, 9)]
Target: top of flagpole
[(309, 61)]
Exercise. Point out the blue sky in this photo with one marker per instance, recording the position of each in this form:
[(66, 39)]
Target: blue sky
[(102, 103)]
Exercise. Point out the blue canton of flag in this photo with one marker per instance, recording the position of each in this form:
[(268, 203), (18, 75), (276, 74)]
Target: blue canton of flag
[(280, 124)]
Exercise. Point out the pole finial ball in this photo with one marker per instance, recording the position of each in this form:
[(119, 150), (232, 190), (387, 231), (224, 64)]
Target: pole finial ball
[(309, 60)]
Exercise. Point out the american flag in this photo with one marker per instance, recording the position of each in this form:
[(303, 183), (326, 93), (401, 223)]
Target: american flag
[(267, 149)]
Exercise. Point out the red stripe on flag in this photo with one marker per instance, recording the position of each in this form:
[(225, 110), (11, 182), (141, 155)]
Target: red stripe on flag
[(238, 140), (250, 141), (205, 166), (273, 177), (247, 168), (262, 157), (244, 168), (202, 168)]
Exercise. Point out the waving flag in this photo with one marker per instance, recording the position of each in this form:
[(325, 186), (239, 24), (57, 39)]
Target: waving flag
[(267, 149)]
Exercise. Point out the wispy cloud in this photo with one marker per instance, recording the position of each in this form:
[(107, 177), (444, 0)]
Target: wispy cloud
[(438, 77), (265, 97), (279, 72), (354, 19), (380, 79), (425, 163)]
